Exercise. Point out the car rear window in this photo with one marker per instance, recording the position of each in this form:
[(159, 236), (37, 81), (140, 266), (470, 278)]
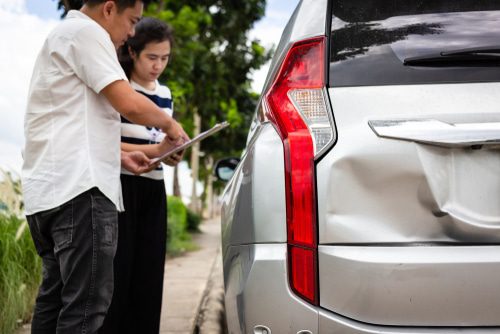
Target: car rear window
[(370, 39)]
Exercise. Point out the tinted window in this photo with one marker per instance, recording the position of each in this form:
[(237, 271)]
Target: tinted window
[(371, 38)]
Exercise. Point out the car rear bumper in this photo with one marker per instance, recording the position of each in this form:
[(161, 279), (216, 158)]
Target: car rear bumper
[(332, 323), (257, 294), (420, 285)]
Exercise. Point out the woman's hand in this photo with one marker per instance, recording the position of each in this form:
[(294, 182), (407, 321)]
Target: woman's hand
[(174, 133), (173, 159), (136, 162)]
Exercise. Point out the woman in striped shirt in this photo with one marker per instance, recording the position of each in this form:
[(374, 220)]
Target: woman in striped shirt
[(140, 256)]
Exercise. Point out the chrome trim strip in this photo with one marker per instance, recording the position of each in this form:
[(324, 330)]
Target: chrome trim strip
[(438, 133)]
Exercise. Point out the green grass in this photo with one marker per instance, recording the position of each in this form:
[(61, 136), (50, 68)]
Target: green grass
[(20, 273), (178, 238)]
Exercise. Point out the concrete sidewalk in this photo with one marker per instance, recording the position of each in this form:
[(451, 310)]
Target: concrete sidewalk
[(191, 280)]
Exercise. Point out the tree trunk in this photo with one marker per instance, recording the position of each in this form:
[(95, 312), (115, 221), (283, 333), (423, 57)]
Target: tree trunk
[(161, 6), (195, 160), (176, 191), (209, 200)]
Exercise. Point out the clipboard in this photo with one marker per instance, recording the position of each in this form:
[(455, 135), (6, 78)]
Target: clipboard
[(216, 128)]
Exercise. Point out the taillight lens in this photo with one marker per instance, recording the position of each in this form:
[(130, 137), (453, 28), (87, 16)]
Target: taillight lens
[(297, 108), (302, 261)]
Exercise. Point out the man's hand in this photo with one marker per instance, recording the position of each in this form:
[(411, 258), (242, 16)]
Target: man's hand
[(136, 162)]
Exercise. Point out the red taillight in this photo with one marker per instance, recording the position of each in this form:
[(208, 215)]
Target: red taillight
[(302, 261), (301, 71)]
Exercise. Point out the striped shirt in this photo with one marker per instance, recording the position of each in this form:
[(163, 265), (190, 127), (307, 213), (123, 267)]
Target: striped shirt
[(143, 135)]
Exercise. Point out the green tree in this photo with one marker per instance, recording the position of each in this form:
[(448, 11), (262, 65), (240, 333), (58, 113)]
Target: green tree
[(210, 70), (66, 5)]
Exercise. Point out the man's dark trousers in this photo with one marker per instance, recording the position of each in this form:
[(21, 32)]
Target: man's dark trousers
[(77, 243)]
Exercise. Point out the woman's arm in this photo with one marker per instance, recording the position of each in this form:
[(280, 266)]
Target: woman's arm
[(151, 150)]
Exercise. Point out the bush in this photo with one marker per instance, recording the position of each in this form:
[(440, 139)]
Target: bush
[(193, 221), (178, 238), (20, 273)]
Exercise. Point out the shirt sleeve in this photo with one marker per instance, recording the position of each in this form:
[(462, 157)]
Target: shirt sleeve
[(166, 93), (94, 60)]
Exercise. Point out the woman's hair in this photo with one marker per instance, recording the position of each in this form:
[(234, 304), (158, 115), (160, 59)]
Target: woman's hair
[(146, 31)]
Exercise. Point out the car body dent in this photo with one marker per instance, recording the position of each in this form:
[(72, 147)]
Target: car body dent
[(405, 191)]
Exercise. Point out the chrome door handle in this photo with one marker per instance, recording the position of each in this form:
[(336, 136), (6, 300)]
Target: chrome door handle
[(438, 133)]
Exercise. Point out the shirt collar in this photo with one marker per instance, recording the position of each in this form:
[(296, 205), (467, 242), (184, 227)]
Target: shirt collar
[(77, 14)]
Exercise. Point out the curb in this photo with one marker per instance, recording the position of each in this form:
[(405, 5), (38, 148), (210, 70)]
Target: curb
[(211, 315)]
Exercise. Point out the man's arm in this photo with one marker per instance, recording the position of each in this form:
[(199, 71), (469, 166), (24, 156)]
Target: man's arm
[(140, 110)]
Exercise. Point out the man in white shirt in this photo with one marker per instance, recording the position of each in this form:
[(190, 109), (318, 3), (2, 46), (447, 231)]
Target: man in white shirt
[(71, 171)]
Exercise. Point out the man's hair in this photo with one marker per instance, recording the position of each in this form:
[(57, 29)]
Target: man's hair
[(121, 4)]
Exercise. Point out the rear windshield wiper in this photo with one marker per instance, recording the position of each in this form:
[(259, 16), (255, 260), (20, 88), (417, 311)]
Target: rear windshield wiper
[(482, 56)]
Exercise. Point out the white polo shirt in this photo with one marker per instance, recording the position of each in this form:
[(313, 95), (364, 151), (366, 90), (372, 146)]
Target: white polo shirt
[(72, 132)]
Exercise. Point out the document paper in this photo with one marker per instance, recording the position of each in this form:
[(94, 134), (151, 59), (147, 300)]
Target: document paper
[(216, 128)]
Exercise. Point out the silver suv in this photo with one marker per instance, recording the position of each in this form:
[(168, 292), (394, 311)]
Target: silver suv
[(368, 197)]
